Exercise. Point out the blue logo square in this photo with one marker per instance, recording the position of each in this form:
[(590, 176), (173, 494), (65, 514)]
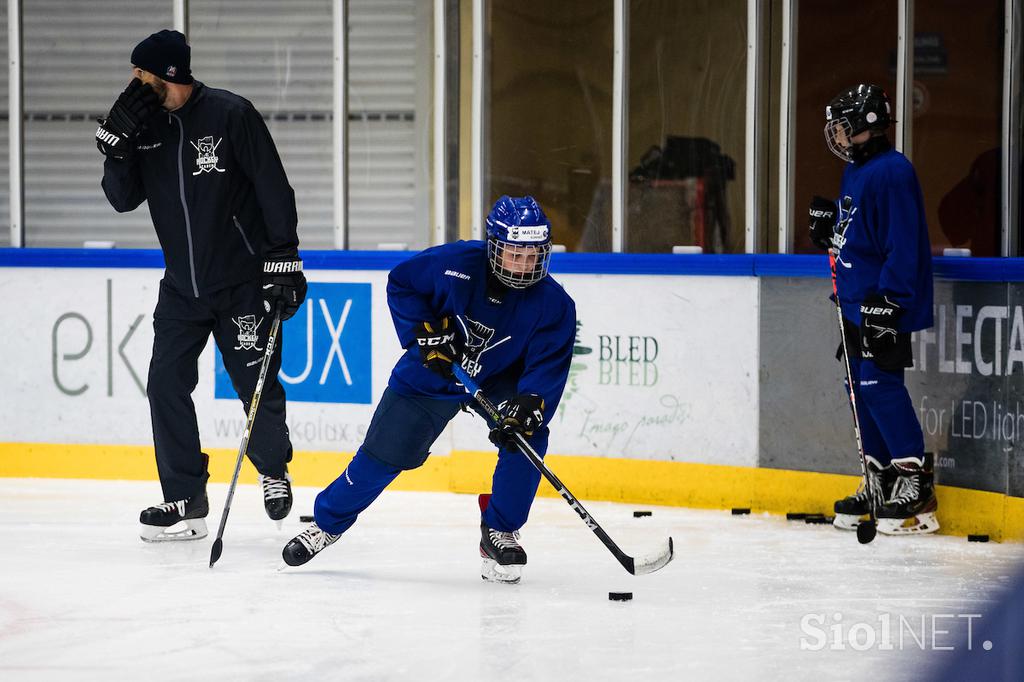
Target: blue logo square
[(327, 351)]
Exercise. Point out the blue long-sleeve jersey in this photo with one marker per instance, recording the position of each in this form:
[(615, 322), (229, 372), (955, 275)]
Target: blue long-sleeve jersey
[(525, 335), (883, 240)]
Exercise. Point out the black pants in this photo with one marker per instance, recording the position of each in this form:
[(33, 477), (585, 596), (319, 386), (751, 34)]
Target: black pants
[(182, 326)]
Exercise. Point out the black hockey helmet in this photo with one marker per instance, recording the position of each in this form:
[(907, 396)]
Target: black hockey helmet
[(851, 112)]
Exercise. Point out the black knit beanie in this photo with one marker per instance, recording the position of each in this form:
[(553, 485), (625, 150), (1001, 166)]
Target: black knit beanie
[(165, 55)]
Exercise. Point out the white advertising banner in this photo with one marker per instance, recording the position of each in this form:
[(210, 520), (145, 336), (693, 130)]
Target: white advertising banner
[(665, 366)]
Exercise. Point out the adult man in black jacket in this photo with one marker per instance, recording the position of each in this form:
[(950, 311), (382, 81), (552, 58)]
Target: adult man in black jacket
[(225, 217)]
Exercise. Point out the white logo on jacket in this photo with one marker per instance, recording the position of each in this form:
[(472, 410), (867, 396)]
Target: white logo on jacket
[(207, 158), (247, 336), (846, 212)]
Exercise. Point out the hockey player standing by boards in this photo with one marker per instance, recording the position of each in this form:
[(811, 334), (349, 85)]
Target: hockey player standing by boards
[(877, 232), (491, 307), (225, 217)]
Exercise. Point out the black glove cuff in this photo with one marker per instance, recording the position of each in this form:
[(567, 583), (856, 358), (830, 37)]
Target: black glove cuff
[(281, 267)]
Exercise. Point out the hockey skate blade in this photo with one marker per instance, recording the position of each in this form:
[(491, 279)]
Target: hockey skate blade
[(493, 572), (194, 529), (653, 562), (846, 521), (921, 524), (279, 523)]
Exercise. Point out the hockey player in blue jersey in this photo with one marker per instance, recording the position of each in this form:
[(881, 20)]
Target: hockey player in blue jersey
[(491, 307), (878, 235)]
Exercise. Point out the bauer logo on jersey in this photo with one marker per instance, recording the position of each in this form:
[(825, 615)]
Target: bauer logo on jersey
[(248, 329), (326, 348), (528, 233), (207, 158)]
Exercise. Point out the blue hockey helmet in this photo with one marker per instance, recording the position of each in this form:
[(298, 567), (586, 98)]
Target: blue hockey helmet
[(518, 241)]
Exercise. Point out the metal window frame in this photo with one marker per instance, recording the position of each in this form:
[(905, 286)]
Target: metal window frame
[(439, 149), (787, 123), (752, 180), (16, 123), (478, 159), (180, 13), (620, 122), (340, 124), (1011, 143), (905, 78)]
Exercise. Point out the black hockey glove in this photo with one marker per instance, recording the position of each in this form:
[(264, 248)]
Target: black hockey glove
[(439, 346), (822, 214), (524, 414), (283, 282), (879, 318), (116, 133)]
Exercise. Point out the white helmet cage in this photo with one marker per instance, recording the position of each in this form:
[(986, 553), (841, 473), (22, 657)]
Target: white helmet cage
[(517, 266)]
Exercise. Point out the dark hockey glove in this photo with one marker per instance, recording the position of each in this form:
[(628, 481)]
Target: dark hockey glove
[(439, 346), (283, 282), (879, 318), (116, 133), (822, 214), (524, 414)]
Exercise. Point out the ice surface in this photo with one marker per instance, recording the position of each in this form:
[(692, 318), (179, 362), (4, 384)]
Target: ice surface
[(400, 597)]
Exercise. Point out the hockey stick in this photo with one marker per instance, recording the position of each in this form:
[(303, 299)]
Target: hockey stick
[(218, 544), (636, 566), (866, 530)]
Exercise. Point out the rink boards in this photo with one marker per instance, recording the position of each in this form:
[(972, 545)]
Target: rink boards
[(698, 381)]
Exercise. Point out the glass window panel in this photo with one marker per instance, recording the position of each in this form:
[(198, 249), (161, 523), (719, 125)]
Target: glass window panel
[(76, 61), (838, 45), (549, 109), (280, 56), (390, 70), (687, 123), (958, 99)]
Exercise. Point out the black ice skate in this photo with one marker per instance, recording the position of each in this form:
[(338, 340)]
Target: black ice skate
[(277, 496), (851, 509), (911, 507), (157, 521), (307, 545), (503, 557)]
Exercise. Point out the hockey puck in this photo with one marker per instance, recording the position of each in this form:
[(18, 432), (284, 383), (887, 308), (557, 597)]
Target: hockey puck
[(306, 519), (620, 596), (977, 538), (796, 516), (638, 514), (739, 511)]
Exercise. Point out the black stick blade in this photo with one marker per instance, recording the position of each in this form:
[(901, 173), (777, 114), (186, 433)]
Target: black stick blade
[(215, 551), (866, 531)]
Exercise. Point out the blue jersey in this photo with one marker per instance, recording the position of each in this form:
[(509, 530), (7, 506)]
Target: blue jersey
[(883, 240), (525, 336)]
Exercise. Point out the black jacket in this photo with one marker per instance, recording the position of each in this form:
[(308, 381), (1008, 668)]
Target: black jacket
[(217, 192)]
